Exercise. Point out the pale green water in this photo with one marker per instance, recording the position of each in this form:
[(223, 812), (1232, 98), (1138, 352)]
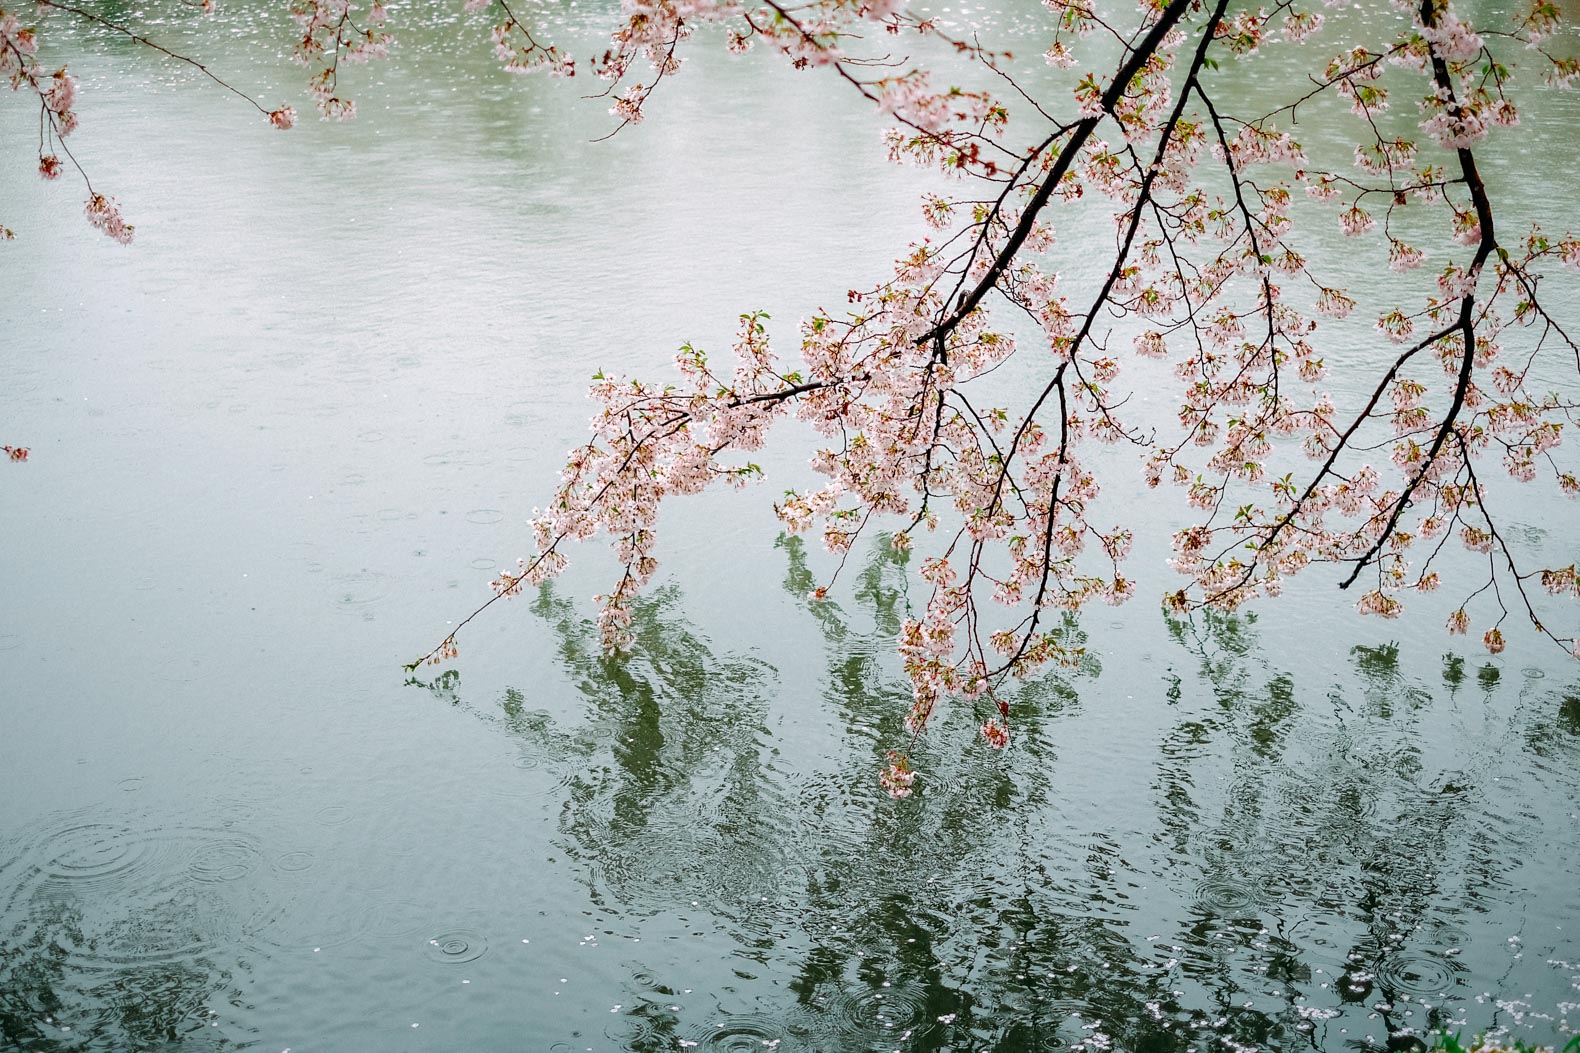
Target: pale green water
[(294, 429)]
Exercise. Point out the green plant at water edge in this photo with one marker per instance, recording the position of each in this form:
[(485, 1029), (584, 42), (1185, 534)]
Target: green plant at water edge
[(1447, 1043)]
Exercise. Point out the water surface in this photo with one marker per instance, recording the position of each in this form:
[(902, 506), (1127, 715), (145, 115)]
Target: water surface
[(291, 433)]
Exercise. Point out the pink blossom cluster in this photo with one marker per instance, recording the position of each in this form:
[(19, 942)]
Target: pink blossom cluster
[(897, 777), (1455, 125), (56, 90), (1000, 498), (1300, 26), (105, 215), (519, 52), (912, 99), (1451, 39), (331, 33), (1208, 278)]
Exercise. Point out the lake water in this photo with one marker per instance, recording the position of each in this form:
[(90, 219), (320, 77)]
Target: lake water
[(288, 436)]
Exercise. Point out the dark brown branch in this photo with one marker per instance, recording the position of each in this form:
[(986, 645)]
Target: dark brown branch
[(139, 39), (1133, 64), (1465, 323)]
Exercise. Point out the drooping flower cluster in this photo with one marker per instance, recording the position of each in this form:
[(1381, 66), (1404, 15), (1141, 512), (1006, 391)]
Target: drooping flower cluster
[(105, 214), (56, 94), (330, 33), (897, 777), (54, 91)]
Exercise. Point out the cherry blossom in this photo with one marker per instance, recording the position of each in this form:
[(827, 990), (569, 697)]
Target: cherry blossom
[(1210, 278), (55, 92)]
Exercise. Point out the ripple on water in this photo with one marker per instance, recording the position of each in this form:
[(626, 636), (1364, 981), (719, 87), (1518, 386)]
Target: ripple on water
[(743, 1033), (294, 862), (355, 593), (333, 815), (307, 920), (78, 853), (227, 858), (1348, 791), (456, 946), (877, 1015), (633, 1031), (1225, 897), (1415, 974), (83, 856), (140, 895), (179, 927), (1056, 1023), (443, 457), (647, 983), (395, 919), (685, 857), (1450, 936), (485, 516), (528, 779)]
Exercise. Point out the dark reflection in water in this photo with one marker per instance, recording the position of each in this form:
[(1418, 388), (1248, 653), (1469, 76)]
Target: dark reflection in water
[(1219, 835), (1331, 859), (1336, 859), (1322, 864), (75, 977)]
